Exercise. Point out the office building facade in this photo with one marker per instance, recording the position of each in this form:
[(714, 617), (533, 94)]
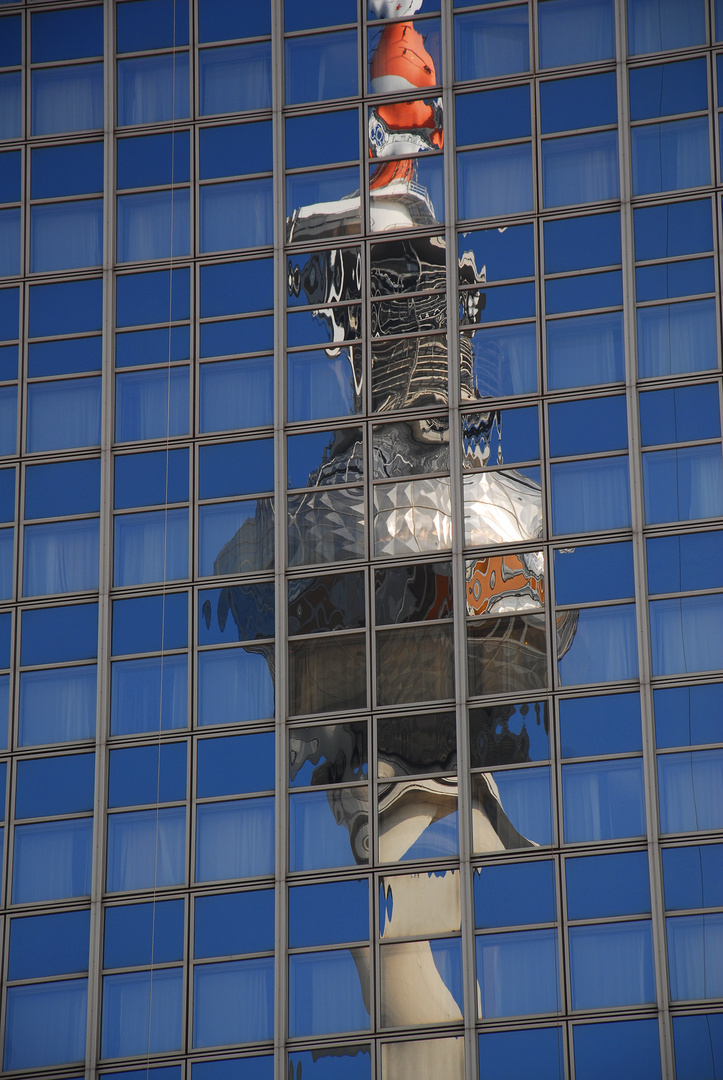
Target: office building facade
[(361, 539)]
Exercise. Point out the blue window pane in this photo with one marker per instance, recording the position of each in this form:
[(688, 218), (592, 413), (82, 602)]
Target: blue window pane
[(688, 562), (236, 394), (506, 254), (626, 1050), (667, 89), (234, 687), (584, 291), (320, 386), (66, 170), (65, 357), (10, 313), (61, 557), (152, 546), (46, 1024), (152, 404), (673, 229), (152, 346), (575, 31), (146, 849), (152, 89), (325, 994), (698, 1042), (668, 280), (517, 973), (4, 708), (69, 307), (233, 1002), (237, 287), (11, 41), (11, 117), (147, 774), (7, 497), (690, 787), (224, 151), (514, 895), (594, 572), (580, 169), (251, 608), (590, 495), (493, 115), (67, 98), (46, 787), (229, 336), (320, 139), (56, 635), (57, 705), (147, 479), (320, 67), (687, 715), (602, 885), (9, 242), (59, 490), (580, 243), (151, 24), (695, 947), (151, 160), (678, 338), (654, 25), (236, 215), (353, 1064), (10, 176), (235, 78), (604, 648), (495, 181), (489, 43), (154, 225), (315, 840), (237, 1068), (236, 537), (233, 923), (239, 468), (603, 800), (585, 101), (8, 419), (683, 484), (611, 965), (235, 765), (322, 14), (506, 1055), (49, 945), (235, 839), (143, 933), (585, 350), (693, 876), (670, 156), (155, 297), (6, 623), (67, 34), (150, 623), (584, 427), (346, 912), (525, 796), (218, 22), (52, 860), (8, 362), (149, 694), (64, 414), (157, 998)]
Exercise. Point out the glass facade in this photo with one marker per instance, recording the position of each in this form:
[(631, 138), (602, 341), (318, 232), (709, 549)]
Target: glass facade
[(361, 539)]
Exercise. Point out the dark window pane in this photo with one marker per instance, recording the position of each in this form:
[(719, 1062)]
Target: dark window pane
[(602, 885), (237, 468), (69, 34), (666, 89), (595, 572), (143, 934), (49, 945), (147, 774), (235, 78), (600, 725), (493, 115), (251, 608), (345, 907), (59, 490), (148, 479), (69, 307), (66, 170), (58, 634), (489, 43), (688, 562), (515, 895), (654, 25), (673, 229), (575, 32), (586, 101), (688, 715), (49, 786), (321, 67), (322, 604), (582, 242), (588, 426), (151, 24), (236, 765), (232, 923), (693, 876), (217, 21), (150, 160)]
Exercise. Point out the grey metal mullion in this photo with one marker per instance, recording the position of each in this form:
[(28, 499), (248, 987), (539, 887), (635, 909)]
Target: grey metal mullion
[(638, 519), (464, 785), (280, 802), (92, 1053)]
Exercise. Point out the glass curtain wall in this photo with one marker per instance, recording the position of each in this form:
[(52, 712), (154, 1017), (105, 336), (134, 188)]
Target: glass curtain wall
[(361, 534)]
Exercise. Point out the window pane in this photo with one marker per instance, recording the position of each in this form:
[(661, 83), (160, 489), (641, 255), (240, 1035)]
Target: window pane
[(517, 973), (52, 860), (149, 694), (236, 394), (235, 78), (147, 407), (64, 236), (489, 43), (603, 648), (575, 31), (152, 546), (235, 839), (60, 557), (57, 706), (235, 685), (580, 169), (233, 1002), (590, 495), (153, 226), (237, 215), (152, 89), (64, 414), (495, 181), (326, 992), (611, 965), (67, 99), (142, 1012), (146, 849), (691, 791), (670, 156), (695, 948), (46, 1024), (603, 801), (686, 634), (585, 350), (674, 339)]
